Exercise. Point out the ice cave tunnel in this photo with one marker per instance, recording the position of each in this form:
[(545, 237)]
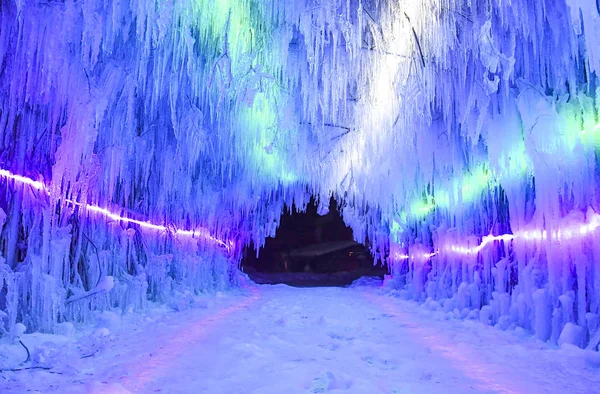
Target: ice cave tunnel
[(148, 147)]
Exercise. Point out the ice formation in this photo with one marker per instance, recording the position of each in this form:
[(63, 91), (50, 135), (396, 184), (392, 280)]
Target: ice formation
[(461, 138)]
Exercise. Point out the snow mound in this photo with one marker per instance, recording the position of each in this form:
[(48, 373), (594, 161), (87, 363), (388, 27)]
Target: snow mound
[(367, 281)]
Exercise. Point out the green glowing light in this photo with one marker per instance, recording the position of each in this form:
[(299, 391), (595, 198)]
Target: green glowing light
[(396, 230), (422, 207), (473, 184), (259, 123), (577, 127), (590, 135), (442, 199), (236, 37)]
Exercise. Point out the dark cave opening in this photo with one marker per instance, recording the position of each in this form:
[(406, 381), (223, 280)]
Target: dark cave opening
[(311, 250)]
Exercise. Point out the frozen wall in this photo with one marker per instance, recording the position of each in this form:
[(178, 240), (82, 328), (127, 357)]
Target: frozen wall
[(434, 123)]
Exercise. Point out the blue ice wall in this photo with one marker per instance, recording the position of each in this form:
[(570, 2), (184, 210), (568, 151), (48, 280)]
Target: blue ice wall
[(435, 124)]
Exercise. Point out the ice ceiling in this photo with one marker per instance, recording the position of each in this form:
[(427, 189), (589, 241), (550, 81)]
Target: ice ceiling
[(434, 123)]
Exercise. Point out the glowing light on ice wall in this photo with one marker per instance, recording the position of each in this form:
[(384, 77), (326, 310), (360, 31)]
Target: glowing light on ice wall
[(559, 235), (514, 161), (197, 233)]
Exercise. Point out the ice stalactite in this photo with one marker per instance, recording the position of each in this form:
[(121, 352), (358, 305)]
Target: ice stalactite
[(435, 124)]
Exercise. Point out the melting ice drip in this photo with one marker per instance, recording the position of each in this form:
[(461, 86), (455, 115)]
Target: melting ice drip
[(567, 233), (201, 233)]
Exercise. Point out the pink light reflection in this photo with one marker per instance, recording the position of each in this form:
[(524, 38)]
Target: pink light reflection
[(201, 232), (484, 375), (484, 242), (402, 256), (172, 348), (427, 256)]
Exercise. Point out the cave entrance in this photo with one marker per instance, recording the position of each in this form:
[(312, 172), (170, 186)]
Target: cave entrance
[(311, 250)]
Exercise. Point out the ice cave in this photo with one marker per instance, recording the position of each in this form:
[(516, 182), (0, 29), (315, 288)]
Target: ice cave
[(150, 150)]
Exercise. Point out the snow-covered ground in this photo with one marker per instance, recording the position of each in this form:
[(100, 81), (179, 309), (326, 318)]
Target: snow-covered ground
[(280, 339), (307, 279)]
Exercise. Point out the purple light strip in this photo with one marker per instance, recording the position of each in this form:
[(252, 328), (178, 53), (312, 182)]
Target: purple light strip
[(567, 233), (201, 232), (24, 180), (535, 235), (484, 242), (427, 256)]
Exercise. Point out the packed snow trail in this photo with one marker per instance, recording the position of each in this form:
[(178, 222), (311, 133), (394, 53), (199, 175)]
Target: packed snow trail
[(280, 339), (350, 340), (174, 350)]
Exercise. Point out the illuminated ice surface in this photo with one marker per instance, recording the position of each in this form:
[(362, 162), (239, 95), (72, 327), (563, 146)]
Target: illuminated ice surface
[(145, 143), (278, 339)]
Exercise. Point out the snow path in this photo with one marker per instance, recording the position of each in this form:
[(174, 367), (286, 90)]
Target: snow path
[(279, 339), (175, 349), (349, 340)]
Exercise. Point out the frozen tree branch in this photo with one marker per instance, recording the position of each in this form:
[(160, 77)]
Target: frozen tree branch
[(97, 257), (105, 285), (47, 369), (27, 350), (416, 40)]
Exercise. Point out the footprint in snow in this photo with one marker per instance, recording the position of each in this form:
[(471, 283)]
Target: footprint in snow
[(426, 376), (330, 346), (368, 359), (380, 363), (340, 337), (329, 381)]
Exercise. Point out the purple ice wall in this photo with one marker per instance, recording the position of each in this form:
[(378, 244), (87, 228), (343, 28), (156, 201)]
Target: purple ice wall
[(460, 138)]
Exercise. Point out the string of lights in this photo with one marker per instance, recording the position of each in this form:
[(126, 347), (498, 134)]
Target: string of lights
[(201, 233), (563, 234)]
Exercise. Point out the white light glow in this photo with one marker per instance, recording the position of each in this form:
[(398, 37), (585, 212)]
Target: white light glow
[(201, 233)]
